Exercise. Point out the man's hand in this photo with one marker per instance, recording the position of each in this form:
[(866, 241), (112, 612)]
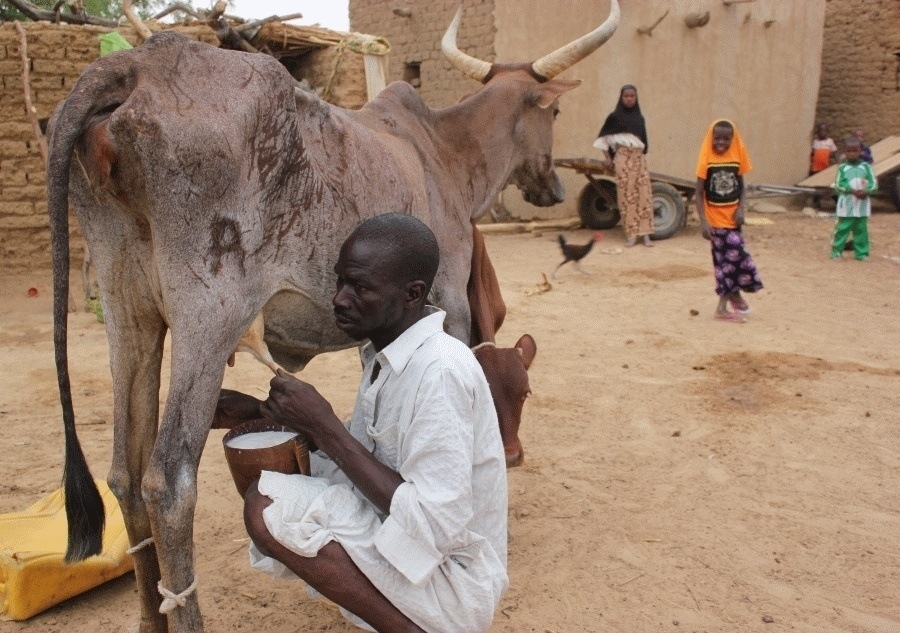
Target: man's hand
[(739, 216), (235, 407), (298, 406), (862, 194)]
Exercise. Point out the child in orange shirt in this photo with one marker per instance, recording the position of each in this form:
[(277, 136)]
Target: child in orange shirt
[(823, 151), (720, 201)]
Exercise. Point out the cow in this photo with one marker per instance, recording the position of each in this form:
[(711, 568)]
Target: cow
[(209, 190), (505, 368)]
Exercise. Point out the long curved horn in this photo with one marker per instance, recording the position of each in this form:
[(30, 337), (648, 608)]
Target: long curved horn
[(467, 65), (551, 65)]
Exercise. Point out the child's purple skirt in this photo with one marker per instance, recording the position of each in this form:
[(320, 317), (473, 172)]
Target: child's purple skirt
[(732, 264)]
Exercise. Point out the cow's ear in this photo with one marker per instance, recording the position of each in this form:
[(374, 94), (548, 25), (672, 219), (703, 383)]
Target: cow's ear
[(550, 91), (527, 348)]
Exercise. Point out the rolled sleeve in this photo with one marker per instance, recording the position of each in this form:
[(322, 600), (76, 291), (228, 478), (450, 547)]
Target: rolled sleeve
[(415, 559)]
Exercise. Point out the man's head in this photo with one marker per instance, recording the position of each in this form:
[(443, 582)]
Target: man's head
[(852, 149), (384, 273), (723, 132), (821, 131), (860, 134)]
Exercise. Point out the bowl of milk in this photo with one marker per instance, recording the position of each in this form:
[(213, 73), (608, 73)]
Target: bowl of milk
[(258, 445)]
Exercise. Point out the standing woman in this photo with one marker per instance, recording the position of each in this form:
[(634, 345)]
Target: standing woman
[(623, 139)]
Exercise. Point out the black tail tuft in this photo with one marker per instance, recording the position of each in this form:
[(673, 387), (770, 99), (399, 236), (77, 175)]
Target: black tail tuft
[(562, 240), (84, 506)]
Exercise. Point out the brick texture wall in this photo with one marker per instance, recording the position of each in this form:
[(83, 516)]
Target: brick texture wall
[(860, 84), (416, 42), (337, 74), (59, 54)]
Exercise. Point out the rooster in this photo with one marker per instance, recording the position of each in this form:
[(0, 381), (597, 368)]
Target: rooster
[(575, 252)]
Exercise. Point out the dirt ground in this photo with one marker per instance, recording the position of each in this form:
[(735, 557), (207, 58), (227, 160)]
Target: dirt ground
[(682, 474)]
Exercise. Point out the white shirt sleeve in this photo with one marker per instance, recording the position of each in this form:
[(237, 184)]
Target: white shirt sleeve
[(430, 511)]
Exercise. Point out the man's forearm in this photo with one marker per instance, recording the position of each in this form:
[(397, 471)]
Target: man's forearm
[(377, 481)]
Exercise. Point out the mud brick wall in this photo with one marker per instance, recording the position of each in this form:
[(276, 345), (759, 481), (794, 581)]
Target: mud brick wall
[(338, 74), (860, 84), (58, 54), (416, 42)]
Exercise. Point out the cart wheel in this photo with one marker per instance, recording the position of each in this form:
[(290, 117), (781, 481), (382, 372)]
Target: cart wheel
[(669, 210), (895, 195), (597, 205)]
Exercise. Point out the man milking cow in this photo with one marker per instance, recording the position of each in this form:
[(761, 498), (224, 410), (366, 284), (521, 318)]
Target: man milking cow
[(403, 521)]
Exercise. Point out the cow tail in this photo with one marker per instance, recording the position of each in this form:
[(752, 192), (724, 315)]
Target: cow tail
[(101, 87)]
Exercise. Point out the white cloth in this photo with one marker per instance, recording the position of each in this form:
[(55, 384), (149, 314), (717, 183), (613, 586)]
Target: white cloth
[(440, 555), (623, 139), (824, 143)]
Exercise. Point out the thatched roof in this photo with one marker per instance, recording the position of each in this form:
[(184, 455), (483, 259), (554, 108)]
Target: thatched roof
[(274, 34), (290, 40)]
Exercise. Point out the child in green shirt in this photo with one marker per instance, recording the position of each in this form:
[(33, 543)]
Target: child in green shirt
[(855, 183)]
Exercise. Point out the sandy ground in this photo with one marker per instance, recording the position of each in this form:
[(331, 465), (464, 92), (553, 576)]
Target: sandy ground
[(681, 474)]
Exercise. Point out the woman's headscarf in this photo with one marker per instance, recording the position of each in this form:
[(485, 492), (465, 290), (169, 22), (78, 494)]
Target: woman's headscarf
[(736, 151), (624, 120)]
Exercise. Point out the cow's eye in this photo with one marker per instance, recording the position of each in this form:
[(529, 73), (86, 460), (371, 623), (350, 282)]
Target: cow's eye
[(555, 113)]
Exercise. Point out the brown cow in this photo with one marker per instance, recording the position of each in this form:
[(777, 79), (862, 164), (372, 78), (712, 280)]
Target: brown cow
[(208, 190), (506, 369)]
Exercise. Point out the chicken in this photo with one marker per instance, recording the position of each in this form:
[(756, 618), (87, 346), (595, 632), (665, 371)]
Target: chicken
[(575, 252)]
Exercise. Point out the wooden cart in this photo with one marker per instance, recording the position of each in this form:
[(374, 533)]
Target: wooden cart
[(598, 206)]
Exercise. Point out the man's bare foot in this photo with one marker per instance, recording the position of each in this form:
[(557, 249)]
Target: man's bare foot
[(647, 241), (631, 242)]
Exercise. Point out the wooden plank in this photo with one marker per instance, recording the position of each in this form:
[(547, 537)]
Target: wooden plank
[(887, 165), (573, 222), (885, 148), (824, 178), (583, 165)]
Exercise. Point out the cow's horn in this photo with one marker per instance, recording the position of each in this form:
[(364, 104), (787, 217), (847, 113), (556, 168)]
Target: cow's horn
[(467, 65), (551, 65)]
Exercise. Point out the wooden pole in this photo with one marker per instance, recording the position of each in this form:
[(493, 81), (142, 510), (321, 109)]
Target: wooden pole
[(136, 21), (30, 110)]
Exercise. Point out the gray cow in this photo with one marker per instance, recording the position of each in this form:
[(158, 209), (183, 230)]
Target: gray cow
[(208, 190)]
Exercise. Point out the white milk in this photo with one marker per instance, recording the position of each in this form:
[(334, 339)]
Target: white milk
[(261, 439)]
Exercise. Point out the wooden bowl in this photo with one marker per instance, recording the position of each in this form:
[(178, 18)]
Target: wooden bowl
[(290, 456)]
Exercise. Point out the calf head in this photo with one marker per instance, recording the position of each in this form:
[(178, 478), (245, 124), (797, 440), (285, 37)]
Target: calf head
[(534, 92), (506, 370)]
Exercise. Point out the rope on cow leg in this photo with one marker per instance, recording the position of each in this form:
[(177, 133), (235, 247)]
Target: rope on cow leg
[(173, 600), (140, 546)]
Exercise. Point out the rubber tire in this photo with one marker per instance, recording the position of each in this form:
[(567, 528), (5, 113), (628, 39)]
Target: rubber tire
[(669, 211), (895, 194), (597, 205)]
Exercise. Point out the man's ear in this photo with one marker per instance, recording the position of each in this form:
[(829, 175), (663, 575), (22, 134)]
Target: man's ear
[(415, 292)]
